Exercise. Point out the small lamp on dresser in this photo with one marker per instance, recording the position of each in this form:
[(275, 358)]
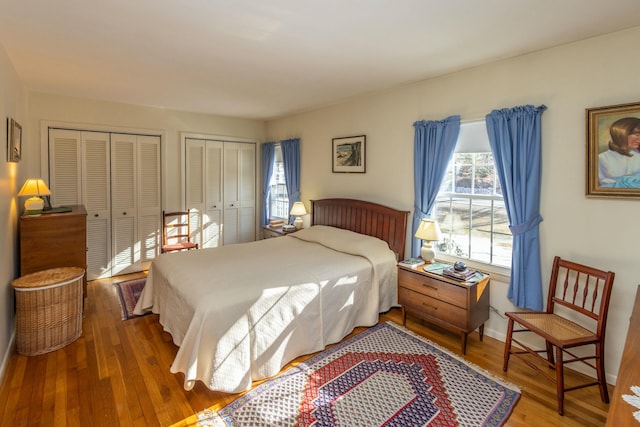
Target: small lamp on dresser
[(34, 187), (428, 231), (298, 210)]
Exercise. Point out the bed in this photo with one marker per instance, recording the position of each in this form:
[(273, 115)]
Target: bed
[(239, 313)]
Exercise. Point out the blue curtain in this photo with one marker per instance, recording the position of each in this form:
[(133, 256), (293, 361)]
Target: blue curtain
[(514, 136), (433, 146), (268, 149), (291, 160)]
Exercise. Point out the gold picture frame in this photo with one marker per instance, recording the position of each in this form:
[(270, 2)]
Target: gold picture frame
[(348, 154), (14, 141), (613, 155)]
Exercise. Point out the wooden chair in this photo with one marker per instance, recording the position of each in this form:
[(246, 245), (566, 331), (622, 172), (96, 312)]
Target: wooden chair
[(576, 292), (176, 232)]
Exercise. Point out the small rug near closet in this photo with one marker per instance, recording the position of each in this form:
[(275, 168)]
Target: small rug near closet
[(128, 293), (385, 375)]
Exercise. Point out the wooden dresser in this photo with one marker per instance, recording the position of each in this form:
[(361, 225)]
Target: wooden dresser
[(621, 412), (454, 305), (54, 240)]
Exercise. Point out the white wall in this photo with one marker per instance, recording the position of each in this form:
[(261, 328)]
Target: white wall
[(13, 103), (51, 108), (568, 79)]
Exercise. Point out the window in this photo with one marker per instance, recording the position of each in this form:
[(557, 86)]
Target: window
[(470, 208), (278, 198)]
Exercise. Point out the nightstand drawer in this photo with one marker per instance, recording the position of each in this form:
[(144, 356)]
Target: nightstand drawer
[(422, 284), (430, 307), (268, 234)]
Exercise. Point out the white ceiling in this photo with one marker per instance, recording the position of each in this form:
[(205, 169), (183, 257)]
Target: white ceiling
[(263, 59)]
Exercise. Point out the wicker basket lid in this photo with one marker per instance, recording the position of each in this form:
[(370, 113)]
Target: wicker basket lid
[(54, 276)]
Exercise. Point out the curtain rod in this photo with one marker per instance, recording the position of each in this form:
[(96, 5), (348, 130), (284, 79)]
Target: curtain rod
[(479, 119)]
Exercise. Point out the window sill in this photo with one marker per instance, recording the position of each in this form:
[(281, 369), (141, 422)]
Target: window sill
[(501, 274)]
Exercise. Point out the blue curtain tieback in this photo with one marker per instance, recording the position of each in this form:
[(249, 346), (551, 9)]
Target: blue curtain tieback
[(525, 226), (417, 210)]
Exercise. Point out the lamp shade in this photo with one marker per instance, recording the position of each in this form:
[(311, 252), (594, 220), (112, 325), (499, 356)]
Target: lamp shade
[(298, 209), (429, 230), (34, 187)]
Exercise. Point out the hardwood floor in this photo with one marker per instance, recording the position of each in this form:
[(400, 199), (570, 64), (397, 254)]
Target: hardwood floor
[(117, 374)]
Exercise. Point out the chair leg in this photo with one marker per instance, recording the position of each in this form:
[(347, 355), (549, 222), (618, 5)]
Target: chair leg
[(507, 346), (602, 378), (560, 380), (550, 354)]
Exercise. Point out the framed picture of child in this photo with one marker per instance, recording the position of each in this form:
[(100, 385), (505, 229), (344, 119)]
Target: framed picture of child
[(613, 151)]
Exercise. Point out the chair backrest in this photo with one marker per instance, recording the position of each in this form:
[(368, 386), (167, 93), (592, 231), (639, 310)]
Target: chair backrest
[(584, 289), (176, 226)]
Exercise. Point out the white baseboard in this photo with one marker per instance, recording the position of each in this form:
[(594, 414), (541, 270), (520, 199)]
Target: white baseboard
[(7, 356)]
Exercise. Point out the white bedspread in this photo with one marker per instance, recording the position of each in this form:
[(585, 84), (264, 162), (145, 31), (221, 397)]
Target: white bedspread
[(239, 313)]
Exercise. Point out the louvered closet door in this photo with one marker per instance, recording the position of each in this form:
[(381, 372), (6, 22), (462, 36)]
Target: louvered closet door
[(64, 167), (247, 195), (220, 186), (204, 191), (194, 186), (124, 196), (212, 219), (96, 199), (231, 185), (117, 178), (149, 202), (239, 192)]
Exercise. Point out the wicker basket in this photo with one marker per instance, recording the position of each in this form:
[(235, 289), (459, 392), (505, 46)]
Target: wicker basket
[(48, 309)]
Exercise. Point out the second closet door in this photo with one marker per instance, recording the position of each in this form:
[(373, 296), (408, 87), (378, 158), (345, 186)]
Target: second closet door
[(220, 190), (135, 194), (239, 197)]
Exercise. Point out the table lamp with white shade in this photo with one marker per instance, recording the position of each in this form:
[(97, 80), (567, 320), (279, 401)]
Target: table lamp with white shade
[(298, 210), (34, 187), (428, 231)]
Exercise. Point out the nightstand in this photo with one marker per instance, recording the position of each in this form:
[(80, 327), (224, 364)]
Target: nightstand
[(270, 232), (449, 303)]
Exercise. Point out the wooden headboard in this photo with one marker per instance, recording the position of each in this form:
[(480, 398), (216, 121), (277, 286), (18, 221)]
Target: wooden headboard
[(363, 217)]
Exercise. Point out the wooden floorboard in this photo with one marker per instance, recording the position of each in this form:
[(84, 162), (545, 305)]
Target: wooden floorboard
[(117, 374)]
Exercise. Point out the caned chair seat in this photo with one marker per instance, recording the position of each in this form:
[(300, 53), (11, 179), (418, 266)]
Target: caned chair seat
[(559, 329), (179, 246), (176, 232), (583, 291)]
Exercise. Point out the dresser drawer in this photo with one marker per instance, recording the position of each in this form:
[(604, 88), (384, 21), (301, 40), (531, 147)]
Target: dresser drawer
[(433, 308), (422, 284)]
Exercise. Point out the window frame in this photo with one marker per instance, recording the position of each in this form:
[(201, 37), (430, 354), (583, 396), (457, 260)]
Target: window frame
[(468, 144), (274, 176)]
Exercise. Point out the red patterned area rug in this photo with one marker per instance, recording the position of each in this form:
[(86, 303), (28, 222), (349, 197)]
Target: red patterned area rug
[(384, 376), (128, 293)]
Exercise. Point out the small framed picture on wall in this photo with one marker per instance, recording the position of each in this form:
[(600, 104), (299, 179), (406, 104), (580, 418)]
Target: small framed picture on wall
[(14, 141), (348, 154), (613, 151)]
